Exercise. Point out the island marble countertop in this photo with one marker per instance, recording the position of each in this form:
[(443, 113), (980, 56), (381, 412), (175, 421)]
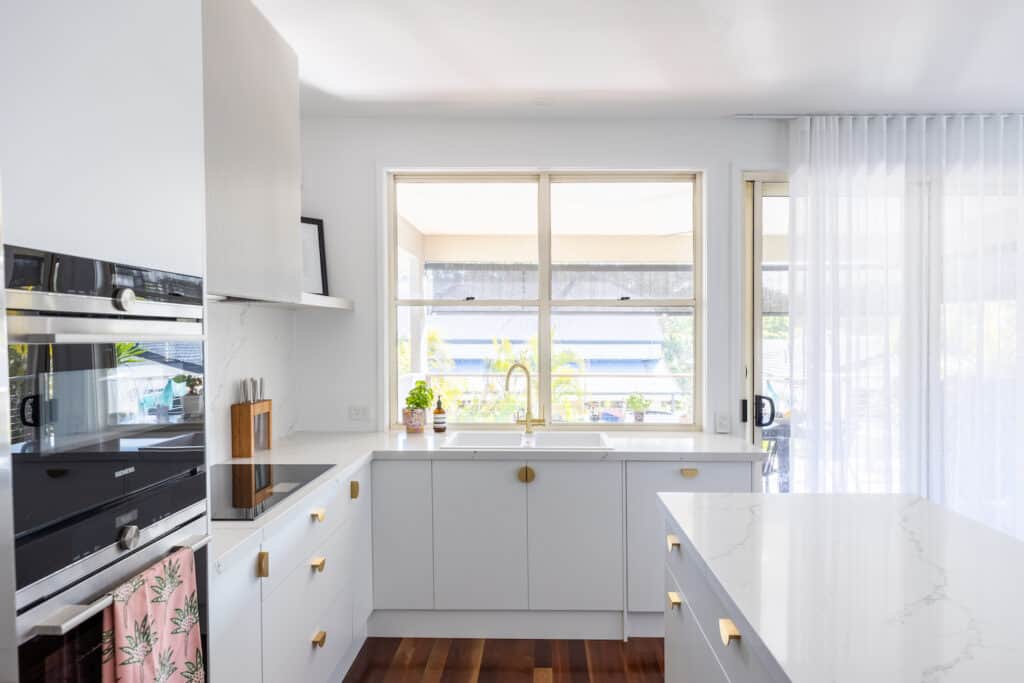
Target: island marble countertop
[(863, 588)]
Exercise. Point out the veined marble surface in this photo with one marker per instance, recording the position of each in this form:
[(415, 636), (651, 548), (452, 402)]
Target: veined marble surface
[(863, 588)]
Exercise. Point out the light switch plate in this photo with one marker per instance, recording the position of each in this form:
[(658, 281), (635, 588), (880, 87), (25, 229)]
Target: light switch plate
[(722, 423)]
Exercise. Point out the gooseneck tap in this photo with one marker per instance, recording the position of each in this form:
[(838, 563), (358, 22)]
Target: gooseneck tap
[(529, 422)]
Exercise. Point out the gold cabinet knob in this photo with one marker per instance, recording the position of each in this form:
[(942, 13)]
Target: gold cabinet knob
[(320, 639), (672, 541), (675, 601), (728, 631), (263, 564), (318, 515), (318, 563), (353, 489), (689, 472), (526, 474)]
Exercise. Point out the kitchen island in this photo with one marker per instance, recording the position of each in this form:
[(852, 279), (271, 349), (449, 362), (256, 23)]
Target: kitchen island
[(839, 589)]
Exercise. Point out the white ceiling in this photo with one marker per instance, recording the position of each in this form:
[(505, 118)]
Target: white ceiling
[(649, 57)]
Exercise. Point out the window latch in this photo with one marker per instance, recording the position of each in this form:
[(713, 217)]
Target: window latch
[(625, 298), (470, 298)]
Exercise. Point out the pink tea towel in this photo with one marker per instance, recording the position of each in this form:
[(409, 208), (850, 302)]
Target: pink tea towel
[(151, 632)]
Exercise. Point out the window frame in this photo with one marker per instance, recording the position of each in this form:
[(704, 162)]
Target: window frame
[(544, 304)]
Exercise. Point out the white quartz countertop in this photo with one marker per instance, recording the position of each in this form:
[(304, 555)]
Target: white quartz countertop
[(863, 588), (346, 447)]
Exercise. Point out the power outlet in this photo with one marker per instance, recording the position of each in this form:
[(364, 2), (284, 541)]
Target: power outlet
[(722, 425), (359, 413)]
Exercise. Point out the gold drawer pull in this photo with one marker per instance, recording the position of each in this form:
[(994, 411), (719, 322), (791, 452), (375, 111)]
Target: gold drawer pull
[(674, 600), (689, 472), (526, 474), (728, 631), (320, 639), (318, 515), (318, 563), (672, 541), (353, 489), (263, 564)]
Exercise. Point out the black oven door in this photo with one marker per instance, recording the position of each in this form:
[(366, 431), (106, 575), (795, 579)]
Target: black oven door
[(93, 423)]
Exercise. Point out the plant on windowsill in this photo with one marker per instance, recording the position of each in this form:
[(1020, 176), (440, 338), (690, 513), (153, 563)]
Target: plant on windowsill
[(638, 405), (414, 416)]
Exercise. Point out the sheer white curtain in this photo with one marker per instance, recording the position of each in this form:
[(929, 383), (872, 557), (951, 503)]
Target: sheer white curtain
[(906, 281)]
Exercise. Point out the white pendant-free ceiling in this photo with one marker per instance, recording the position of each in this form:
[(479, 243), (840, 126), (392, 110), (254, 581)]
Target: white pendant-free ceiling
[(690, 57)]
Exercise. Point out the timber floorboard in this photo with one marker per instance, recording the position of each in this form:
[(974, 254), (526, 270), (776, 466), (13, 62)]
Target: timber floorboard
[(467, 660)]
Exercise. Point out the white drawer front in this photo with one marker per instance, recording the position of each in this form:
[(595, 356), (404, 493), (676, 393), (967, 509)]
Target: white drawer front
[(688, 656), (305, 602), (645, 521), (293, 538)]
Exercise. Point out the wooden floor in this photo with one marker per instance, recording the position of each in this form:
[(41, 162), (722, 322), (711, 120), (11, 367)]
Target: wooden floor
[(444, 660)]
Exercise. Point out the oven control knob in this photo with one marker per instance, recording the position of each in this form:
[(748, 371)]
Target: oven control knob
[(128, 537), (124, 299)]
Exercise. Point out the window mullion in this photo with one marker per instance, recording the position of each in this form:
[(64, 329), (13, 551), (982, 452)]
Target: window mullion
[(544, 285)]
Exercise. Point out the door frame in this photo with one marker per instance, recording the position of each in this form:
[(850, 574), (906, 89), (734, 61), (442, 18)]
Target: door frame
[(752, 190)]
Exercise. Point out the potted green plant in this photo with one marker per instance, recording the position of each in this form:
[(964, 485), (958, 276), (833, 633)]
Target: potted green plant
[(637, 404), (414, 416), (192, 402)]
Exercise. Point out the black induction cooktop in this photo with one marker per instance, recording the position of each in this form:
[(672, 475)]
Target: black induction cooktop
[(244, 491)]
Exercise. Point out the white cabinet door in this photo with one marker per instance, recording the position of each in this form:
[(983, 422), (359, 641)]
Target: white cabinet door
[(645, 522), (362, 557), (235, 615), (253, 155), (575, 536), (479, 535), (403, 546)]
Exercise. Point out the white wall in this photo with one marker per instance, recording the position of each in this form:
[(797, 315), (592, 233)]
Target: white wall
[(248, 340), (101, 130), (344, 165)]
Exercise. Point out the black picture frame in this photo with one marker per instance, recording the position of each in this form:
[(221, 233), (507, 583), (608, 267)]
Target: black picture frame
[(318, 225)]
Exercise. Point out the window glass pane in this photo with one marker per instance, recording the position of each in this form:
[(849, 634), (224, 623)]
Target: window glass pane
[(467, 239), (463, 352), (622, 365), (622, 239)]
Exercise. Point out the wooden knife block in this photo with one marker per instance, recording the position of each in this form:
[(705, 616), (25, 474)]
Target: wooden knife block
[(243, 427)]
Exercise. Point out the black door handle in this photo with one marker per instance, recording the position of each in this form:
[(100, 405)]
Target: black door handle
[(760, 420), (28, 410)]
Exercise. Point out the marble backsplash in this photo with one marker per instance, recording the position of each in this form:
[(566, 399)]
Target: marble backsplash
[(248, 340)]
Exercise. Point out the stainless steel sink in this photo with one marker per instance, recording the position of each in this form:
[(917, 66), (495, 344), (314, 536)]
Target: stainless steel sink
[(540, 441)]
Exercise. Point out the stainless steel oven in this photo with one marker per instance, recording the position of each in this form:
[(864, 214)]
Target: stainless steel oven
[(105, 372)]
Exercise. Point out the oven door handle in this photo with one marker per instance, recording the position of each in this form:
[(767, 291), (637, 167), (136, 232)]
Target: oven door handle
[(68, 618), (31, 329)]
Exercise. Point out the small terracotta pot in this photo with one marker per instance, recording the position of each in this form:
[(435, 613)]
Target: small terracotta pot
[(414, 420)]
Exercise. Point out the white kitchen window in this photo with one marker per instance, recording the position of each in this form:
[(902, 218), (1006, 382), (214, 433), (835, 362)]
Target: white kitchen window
[(591, 280)]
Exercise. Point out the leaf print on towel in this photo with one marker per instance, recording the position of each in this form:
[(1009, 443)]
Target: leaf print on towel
[(141, 644), (125, 591), (166, 583), (107, 644), (165, 666), (193, 672), (186, 618)]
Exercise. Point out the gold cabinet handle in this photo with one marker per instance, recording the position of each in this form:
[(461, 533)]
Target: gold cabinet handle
[(675, 601), (672, 541), (689, 472), (318, 563), (526, 474), (320, 639), (263, 564), (353, 489), (318, 515), (728, 631)]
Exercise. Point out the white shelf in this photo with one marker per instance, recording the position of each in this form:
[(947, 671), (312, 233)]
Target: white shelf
[(305, 302)]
